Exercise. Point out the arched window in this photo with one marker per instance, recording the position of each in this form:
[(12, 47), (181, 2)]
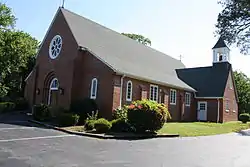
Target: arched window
[(129, 91), (54, 84), (93, 91)]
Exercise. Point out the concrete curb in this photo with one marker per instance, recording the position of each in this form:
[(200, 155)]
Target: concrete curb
[(101, 136)]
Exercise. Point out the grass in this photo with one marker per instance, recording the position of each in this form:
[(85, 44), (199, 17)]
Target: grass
[(75, 128), (202, 128)]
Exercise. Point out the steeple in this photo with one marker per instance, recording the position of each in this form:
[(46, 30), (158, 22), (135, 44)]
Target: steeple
[(221, 53)]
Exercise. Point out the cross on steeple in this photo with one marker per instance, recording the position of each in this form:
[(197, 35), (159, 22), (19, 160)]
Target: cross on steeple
[(63, 3)]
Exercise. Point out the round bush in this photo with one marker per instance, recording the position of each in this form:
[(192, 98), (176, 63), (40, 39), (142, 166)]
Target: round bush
[(89, 124), (102, 125), (6, 107), (147, 116), (244, 117), (41, 112), (120, 113), (68, 119), (120, 125)]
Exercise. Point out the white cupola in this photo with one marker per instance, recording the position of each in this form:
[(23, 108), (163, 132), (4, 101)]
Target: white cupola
[(221, 53)]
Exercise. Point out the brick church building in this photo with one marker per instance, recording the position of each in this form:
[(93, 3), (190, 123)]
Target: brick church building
[(79, 59)]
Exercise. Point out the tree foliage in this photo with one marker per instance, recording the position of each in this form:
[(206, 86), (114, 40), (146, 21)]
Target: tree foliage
[(233, 23), (243, 89), (17, 54), (139, 38)]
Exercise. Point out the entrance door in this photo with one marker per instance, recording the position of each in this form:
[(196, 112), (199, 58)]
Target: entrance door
[(202, 111)]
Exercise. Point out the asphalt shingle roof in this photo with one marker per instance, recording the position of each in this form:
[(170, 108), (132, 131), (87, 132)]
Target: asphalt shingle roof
[(123, 54), (220, 43), (208, 81)]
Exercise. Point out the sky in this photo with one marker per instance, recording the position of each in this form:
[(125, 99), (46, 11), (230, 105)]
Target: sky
[(175, 28)]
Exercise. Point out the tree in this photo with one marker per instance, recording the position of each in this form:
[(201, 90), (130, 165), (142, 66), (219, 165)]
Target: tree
[(7, 19), (17, 53), (233, 23), (139, 38), (243, 89)]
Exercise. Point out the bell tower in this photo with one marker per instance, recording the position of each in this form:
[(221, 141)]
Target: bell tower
[(221, 53)]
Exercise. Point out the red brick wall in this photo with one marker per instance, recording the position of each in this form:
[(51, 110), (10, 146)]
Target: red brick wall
[(86, 68), (142, 88), (65, 60), (229, 95)]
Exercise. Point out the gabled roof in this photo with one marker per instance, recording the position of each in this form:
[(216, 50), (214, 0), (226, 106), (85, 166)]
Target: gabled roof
[(124, 55), (208, 81), (220, 44)]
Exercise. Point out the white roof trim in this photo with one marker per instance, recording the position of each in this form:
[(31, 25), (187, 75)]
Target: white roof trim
[(45, 37), (28, 76)]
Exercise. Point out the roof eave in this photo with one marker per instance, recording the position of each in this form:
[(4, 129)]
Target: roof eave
[(153, 81)]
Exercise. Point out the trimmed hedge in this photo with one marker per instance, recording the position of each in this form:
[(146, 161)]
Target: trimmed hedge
[(41, 112), (7, 107), (21, 104), (121, 125), (68, 119), (244, 117), (102, 125), (147, 116), (120, 113)]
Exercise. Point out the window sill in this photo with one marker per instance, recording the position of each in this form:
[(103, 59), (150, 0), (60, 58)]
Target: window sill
[(187, 105), (172, 103), (227, 110), (234, 111)]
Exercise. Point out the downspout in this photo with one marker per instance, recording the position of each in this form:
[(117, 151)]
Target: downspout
[(218, 111), (121, 90)]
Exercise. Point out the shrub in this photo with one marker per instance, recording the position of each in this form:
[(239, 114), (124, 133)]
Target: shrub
[(102, 125), (244, 117), (68, 119), (121, 125), (21, 104), (120, 113), (41, 112), (55, 111), (146, 115), (89, 125), (83, 108), (6, 107)]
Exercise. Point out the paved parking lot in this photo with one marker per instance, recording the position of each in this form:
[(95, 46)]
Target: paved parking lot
[(23, 144)]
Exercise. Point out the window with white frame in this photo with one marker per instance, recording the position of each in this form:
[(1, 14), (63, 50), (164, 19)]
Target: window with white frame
[(187, 99), (227, 105), (93, 91), (172, 96), (129, 91), (154, 92)]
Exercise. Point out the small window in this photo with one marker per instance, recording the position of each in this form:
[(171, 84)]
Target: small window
[(172, 96), (129, 91), (154, 92), (220, 57), (227, 106), (93, 91), (187, 99), (230, 83)]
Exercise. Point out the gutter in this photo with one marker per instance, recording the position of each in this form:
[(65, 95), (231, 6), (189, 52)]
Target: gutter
[(218, 110), (121, 90)]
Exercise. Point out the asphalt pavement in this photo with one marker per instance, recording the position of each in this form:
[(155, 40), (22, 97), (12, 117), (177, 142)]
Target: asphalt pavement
[(23, 144)]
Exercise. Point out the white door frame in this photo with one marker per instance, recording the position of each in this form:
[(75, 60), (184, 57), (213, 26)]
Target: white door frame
[(202, 114)]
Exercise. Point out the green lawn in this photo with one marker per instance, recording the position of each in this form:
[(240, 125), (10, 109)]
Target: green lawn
[(202, 129)]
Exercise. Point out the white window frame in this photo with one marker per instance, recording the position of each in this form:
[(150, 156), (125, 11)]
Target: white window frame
[(187, 99), (227, 105), (131, 91), (93, 96), (175, 95), (157, 92)]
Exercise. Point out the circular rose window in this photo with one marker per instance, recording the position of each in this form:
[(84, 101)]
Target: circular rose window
[(55, 47)]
